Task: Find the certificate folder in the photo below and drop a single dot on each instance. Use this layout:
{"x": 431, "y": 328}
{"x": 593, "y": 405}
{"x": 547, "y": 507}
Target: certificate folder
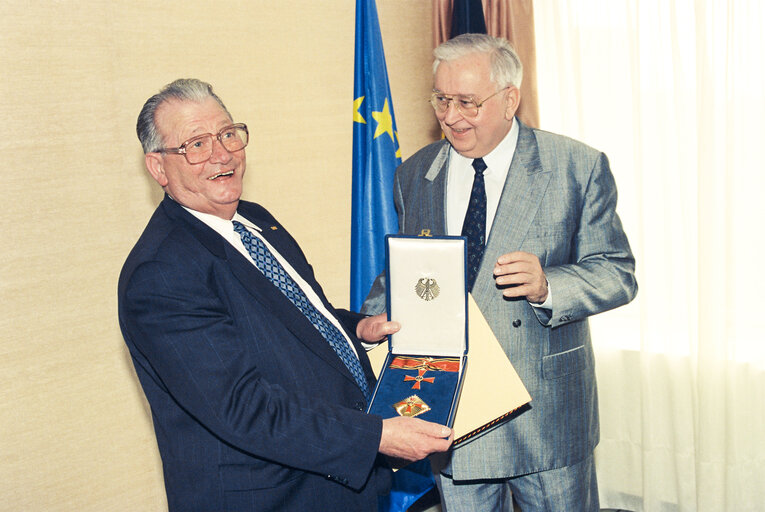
{"x": 492, "y": 389}
{"x": 423, "y": 369}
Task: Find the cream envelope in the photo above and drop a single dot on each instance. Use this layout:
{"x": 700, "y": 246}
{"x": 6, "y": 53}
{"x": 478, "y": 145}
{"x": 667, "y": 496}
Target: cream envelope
{"x": 491, "y": 388}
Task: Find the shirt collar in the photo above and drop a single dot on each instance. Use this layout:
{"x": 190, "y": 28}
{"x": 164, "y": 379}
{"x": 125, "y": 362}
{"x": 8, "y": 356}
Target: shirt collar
{"x": 499, "y": 158}
{"x": 221, "y": 225}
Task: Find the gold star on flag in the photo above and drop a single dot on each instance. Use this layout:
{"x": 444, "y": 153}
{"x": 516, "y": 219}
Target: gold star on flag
{"x": 384, "y": 122}
{"x": 357, "y": 117}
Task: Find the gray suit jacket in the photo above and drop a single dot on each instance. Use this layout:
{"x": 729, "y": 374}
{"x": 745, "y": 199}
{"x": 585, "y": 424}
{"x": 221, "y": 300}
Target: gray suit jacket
{"x": 558, "y": 203}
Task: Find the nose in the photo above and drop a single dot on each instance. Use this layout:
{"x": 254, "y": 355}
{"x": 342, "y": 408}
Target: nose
{"x": 219, "y": 154}
{"x": 452, "y": 115}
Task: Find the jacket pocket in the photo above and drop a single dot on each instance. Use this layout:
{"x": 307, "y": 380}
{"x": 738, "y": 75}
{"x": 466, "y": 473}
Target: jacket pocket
{"x": 565, "y": 363}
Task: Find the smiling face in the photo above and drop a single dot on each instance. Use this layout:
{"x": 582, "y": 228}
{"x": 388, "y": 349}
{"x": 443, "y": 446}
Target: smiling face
{"x": 214, "y": 186}
{"x": 475, "y": 137}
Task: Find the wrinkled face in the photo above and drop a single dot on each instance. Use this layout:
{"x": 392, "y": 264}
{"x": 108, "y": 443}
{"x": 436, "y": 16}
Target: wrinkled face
{"x": 214, "y": 186}
{"x": 474, "y": 137}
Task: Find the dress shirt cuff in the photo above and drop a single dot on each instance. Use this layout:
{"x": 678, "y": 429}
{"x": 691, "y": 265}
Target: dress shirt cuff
{"x": 547, "y": 304}
{"x": 373, "y": 345}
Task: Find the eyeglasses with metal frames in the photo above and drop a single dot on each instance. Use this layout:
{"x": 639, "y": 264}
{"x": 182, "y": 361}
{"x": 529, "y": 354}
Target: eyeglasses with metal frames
{"x": 465, "y": 105}
{"x": 199, "y": 149}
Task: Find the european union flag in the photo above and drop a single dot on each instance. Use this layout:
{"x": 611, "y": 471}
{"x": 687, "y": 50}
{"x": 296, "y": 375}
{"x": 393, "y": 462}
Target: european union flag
{"x": 376, "y": 155}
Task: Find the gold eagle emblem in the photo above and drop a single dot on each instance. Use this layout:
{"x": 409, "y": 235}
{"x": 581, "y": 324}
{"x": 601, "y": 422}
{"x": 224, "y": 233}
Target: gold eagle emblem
{"x": 427, "y": 288}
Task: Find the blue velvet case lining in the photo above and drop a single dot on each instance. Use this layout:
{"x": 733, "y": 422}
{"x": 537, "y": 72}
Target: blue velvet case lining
{"x": 440, "y": 395}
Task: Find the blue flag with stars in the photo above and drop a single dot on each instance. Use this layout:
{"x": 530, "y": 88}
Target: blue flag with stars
{"x": 376, "y": 155}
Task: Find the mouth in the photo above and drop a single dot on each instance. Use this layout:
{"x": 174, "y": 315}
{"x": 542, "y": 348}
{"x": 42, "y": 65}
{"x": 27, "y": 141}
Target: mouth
{"x": 222, "y": 174}
{"x": 460, "y": 131}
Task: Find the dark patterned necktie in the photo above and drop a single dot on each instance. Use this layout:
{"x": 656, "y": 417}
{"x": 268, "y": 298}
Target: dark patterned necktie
{"x": 273, "y": 270}
{"x": 474, "y": 226}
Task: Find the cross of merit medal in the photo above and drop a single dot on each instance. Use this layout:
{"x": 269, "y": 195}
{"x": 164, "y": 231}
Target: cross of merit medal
{"x": 419, "y": 379}
{"x": 411, "y": 406}
{"x": 424, "y": 365}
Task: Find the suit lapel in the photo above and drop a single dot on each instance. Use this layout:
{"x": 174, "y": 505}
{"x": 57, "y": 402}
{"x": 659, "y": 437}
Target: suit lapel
{"x": 273, "y": 299}
{"x": 433, "y": 203}
{"x": 522, "y": 194}
{"x": 262, "y": 290}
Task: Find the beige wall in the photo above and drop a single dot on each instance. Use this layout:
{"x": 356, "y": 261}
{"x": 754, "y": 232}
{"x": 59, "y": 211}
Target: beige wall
{"x": 75, "y": 433}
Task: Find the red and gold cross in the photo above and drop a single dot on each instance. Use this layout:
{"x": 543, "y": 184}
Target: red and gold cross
{"x": 419, "y": 378}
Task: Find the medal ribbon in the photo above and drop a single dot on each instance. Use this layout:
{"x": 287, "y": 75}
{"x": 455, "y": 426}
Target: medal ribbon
{"x": 441, "y": 364}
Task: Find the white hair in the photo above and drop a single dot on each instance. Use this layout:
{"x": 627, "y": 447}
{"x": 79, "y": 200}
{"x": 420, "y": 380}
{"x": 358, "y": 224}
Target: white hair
{"x": 506, "y": 67}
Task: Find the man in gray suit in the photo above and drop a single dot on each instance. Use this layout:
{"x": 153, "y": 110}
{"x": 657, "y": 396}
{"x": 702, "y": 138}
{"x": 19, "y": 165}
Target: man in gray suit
{"x": 546, "y": 250}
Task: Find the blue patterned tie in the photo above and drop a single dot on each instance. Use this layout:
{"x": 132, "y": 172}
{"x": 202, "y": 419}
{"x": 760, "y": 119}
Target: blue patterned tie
{"x": 273, "y": 270}
{"x": 474, "y": 226}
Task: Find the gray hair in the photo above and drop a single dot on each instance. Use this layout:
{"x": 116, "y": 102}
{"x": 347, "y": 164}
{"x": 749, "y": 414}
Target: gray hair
{"x": 183, "y": 89}
{"x": 506, "y": 67}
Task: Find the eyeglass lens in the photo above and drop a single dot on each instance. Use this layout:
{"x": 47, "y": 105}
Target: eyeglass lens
{"x": 465, "y": 105}
{"x": 199, "y": 149}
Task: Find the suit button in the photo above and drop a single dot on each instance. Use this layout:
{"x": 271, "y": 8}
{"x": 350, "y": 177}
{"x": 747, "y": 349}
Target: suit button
{"x": 565, "y": 318}
{"x": 517, "y": 322}
{"x": 359, "y": 406}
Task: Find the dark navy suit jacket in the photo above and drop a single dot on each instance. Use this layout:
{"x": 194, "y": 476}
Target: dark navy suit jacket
{"x": 252, "y": 408}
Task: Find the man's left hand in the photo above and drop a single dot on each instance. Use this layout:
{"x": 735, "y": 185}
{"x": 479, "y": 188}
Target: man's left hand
{"x": 521, "y": 275}
{"x": 374, "y": 329}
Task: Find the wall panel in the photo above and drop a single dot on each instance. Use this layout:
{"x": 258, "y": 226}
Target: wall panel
{"x": 76, "y": 431}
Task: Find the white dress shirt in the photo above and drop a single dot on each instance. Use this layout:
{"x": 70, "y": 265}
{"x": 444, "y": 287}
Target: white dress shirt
{"x": 459, "y": 182}
{"x": 459, "y": 185}
{"x": 225, "y": 228}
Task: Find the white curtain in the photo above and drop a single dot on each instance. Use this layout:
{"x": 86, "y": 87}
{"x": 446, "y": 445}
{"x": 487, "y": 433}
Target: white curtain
{"x": 673, "y": 92}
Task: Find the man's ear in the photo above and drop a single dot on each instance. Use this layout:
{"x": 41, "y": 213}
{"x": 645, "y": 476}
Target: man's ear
{"x": 513, "y": 101}
{"x": 154, "y": 164}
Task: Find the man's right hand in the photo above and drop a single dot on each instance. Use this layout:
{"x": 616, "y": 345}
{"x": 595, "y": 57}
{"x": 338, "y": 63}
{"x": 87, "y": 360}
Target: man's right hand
{"x": 413, "y": 439}
{"x": 374, "y": 329}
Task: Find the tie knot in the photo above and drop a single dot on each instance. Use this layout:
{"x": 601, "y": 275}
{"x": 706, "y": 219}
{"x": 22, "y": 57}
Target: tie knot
{"x": 239, "y": 227}
{"x": 479, "y": 165}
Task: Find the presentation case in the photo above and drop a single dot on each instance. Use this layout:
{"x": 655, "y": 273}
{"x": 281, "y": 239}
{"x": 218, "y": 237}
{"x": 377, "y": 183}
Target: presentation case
{"x": 426, "y": 289}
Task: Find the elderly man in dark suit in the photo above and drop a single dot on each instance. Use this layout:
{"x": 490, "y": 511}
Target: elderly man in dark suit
{"x": 546, "y": 250}
{"x": 257, "y": 384}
